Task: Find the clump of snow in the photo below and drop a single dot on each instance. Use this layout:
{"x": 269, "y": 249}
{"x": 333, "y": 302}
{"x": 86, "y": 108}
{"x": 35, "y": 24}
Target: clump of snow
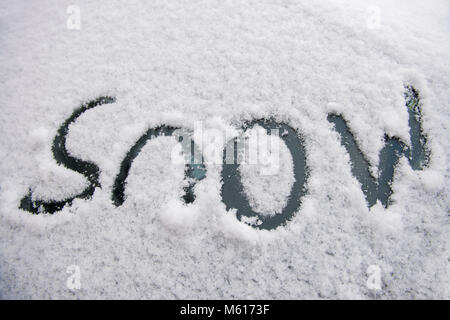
{"x": 385, "y": 222}
{"x": 178, "y": 215}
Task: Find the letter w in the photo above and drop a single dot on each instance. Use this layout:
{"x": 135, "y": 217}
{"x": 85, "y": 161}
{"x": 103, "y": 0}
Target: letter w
{"x": 418, "y": 155}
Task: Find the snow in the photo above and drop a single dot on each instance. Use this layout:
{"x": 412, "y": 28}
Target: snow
{"x": 221, "y": 63}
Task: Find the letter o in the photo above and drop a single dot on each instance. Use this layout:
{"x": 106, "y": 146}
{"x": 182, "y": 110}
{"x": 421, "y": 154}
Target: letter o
{"x": 233, "y": 191}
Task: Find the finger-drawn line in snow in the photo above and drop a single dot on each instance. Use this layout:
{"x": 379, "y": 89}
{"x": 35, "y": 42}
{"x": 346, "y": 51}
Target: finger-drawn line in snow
{"x": 62, "y": 157}
{"x": 418, "y": 155}
{"x": 193, "y": 171}
{"x": 232, "y": 191}
{"x": 233, "y": 194}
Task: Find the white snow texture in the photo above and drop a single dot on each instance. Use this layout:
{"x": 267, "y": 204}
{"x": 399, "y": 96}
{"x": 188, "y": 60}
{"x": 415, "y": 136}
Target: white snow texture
{"x": 221, "y": 63}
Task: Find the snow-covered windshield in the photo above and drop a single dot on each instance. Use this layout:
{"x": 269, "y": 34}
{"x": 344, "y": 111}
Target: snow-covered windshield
{"x": 127, "y": 132}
